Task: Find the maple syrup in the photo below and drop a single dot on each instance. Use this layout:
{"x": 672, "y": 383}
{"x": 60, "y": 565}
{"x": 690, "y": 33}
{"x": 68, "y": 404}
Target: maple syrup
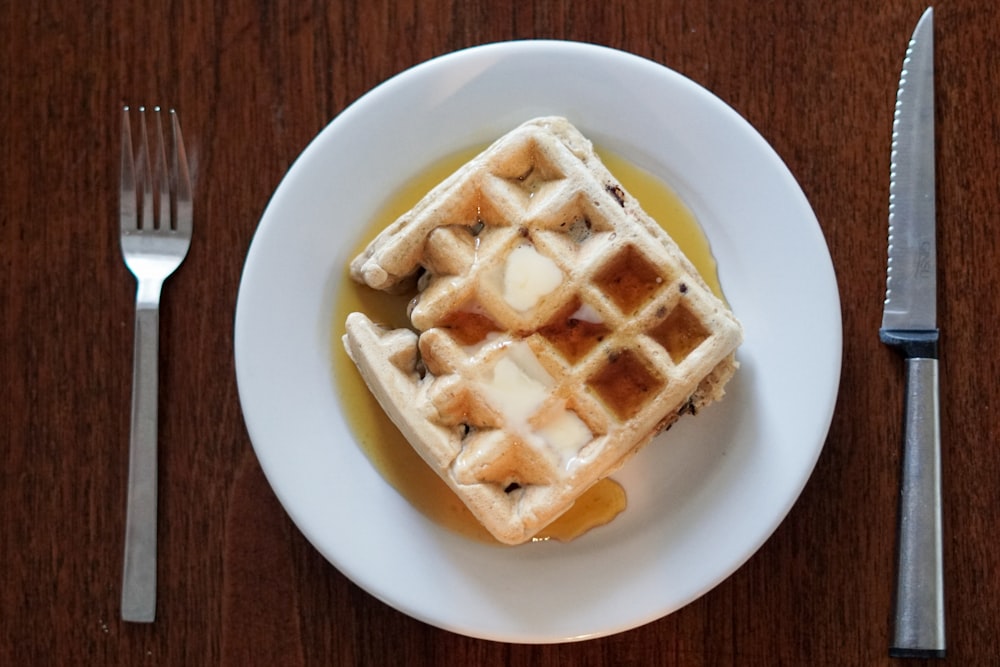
{"x": 573, "y": 336}
{"x": 383, "y": 444}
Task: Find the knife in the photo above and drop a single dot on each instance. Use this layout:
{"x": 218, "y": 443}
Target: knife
{"x": 909, "y": 324}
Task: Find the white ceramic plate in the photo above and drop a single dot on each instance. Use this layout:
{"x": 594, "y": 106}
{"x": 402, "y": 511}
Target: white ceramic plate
{"x": 700, "y": 505}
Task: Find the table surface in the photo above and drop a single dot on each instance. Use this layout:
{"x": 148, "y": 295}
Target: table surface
{"x": 254, "y": 82}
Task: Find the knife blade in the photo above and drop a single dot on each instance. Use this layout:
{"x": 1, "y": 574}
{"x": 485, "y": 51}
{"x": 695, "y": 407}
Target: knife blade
{"x": 909, "y": 324}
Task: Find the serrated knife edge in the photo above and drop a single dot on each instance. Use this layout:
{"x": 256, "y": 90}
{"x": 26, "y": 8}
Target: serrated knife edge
{"x": 910, "y": 298}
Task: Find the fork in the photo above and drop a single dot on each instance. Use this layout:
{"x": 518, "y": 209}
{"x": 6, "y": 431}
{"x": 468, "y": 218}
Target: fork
{"x": 156, "y": 216}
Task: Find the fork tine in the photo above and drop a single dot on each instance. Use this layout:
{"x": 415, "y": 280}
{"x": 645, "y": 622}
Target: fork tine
{"x": 127, "y": 210}
{"x": 182, "y": 178}
{"x": 144, "y": 176}
{"x": 160, "y": 177}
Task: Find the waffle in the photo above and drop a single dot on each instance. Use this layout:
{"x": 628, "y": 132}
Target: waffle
{"x": 556, "y": 328}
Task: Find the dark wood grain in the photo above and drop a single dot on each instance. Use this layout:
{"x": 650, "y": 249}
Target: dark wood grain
{"x": 254, "y": 82}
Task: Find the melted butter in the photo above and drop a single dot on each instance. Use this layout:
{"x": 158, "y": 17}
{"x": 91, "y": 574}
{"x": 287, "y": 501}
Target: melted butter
{"x": 382, "y": 442}
{"x": 566, "y": 434}
{"x": 529, "y": 276}
{"x": 517, "y": 385}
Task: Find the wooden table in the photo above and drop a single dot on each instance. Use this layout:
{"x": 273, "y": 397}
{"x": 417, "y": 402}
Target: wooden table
{"x": 254, "y": 82}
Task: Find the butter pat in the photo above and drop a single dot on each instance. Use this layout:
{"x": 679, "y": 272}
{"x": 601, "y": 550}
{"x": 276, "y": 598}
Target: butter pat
{"x": 566, "y": 434}
{"x": 515, "y": 393}
{"x": 517, "y": 387}
{"x": 528, "y": 276}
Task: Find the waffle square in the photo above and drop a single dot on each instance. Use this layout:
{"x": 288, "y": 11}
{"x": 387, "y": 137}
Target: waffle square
{"x": 556, "y": 328}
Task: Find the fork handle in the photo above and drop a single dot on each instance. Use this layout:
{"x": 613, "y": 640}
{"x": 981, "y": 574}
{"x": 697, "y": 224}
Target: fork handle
{"x": 138, "y": 602}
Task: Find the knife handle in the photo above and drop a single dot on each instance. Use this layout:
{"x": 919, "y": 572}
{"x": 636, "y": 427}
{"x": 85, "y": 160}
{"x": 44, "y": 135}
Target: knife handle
{"x": 919, "y": 631}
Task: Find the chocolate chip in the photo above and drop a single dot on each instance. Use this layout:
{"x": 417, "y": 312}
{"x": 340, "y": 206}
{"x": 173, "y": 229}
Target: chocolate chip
{"x": 616, "y": 191}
